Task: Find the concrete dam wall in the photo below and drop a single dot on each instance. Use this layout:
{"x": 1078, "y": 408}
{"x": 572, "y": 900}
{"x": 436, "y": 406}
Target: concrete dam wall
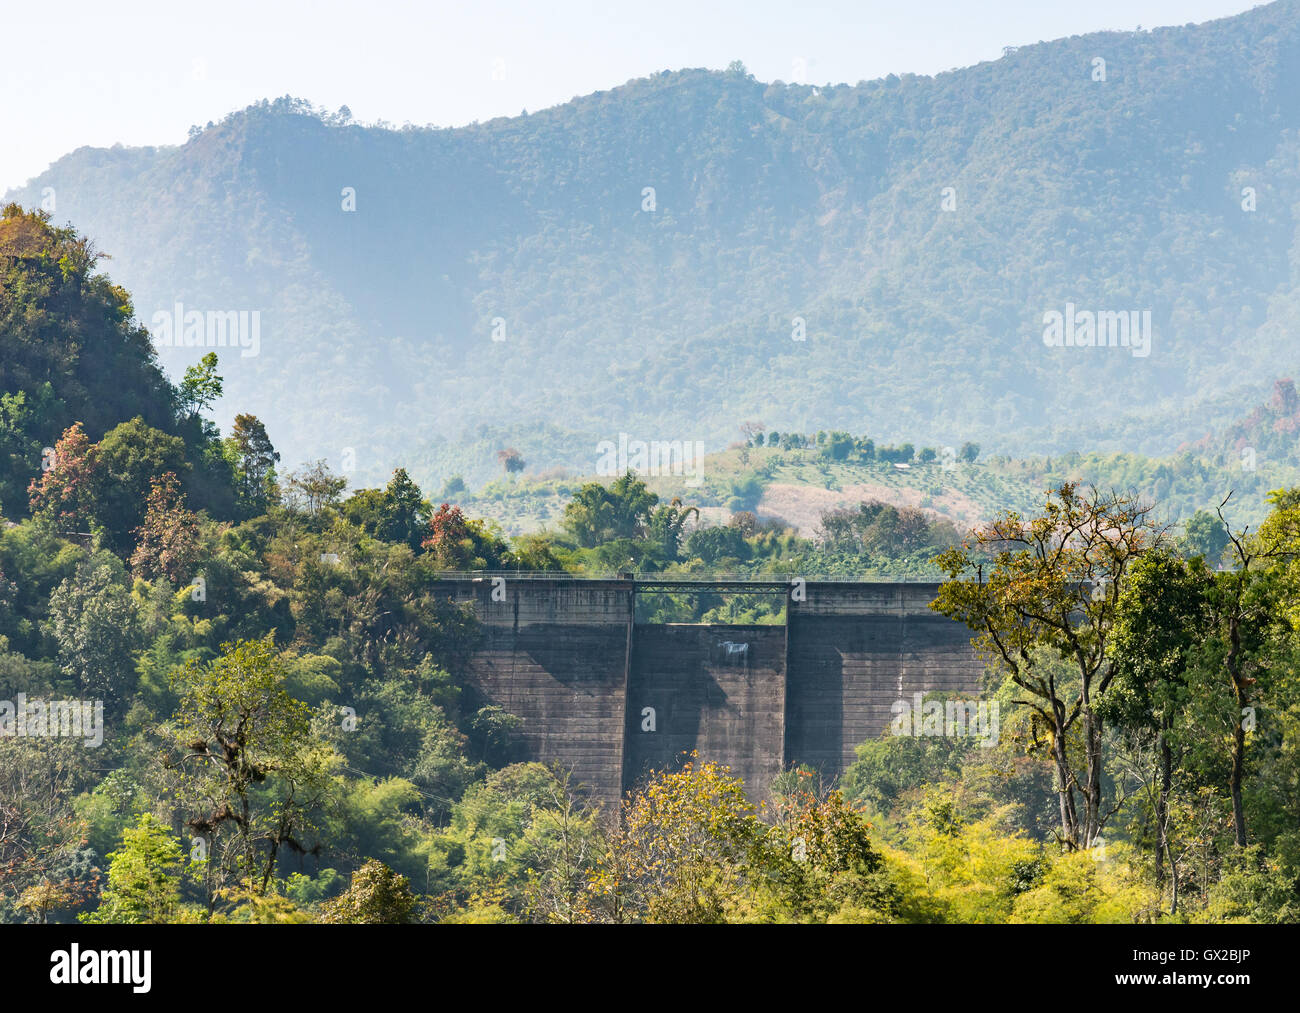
{"x": 612, "y": 698}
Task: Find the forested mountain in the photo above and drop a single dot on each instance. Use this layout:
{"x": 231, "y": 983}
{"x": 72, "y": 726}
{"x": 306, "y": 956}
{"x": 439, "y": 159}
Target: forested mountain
{"x": 640, "y": 259}
{"x": 232, "y": 693}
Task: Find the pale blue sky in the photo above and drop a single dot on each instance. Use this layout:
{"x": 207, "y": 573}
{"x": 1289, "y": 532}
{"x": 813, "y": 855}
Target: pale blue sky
{"x": 142, "y": 71}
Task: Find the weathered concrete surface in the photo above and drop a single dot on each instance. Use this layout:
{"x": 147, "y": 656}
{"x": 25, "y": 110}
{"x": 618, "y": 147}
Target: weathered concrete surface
{"x": 856, "y": 649}
{"x": 567, "y": 658}
{"x": 554, "y": 653}
{"x": 718, "y": 690}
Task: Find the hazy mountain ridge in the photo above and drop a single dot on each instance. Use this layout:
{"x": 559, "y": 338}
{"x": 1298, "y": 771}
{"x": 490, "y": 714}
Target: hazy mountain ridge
{"x": 771, "y": 202}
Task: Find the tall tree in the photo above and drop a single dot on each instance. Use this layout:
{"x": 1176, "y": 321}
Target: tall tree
{"x": 1053, "y": 590}
{"x": 599, "y": 514}
{"x": 254, "y": 460}
{"x": 93, "y": 621}
{"x": 315, "y": 490}
{"x": 1244, "y": 608}
{"x": 247, "y": 769}
{"x": 200, "y": 387}
{"x": 131, "y": 456}
{"x": 403, "y": 511}
{"x": 1164, "y": 612}
{"x": 144, "y": 877}
{"x": 167, "y": 543}
{"x": 68, "y": 490}
{"x": 666, "y": 527}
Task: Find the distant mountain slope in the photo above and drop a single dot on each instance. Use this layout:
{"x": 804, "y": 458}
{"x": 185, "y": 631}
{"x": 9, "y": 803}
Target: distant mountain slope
{"x": 795, "y": 487}
{"x": 675, "y": 314}
{"x": 1268, "y": 433}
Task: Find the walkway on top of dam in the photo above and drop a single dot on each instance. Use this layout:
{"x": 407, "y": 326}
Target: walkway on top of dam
{"x": 654, "y": 583}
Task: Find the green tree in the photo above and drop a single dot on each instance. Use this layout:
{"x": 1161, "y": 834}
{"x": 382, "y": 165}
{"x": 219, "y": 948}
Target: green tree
{"x": 245, "y": 765}
{"x": 144, "y": 878}
{"x": 24, "y": 419}
{"x": 680, "y": 853}
{"x": 823, "y": 864}
{"x": 598, "y": 514}
{"x": 399, "y": 513}
{"x": 376, "y": 896}
{"x": 1204, "y": 535}
{"x": 94, "y": 624}
{"x": 559, "y": 850}
{"x": 130, "y": 458}
{"x": 666, "y": 527}
{"x": 199, "y": 388}
{"x": 1245, "y": 606}
{"x": 1164, "y": 611}
{"x": 254, "y": 459}
{"x": 314, "y": 491}
{"x": 1050, "y": 592}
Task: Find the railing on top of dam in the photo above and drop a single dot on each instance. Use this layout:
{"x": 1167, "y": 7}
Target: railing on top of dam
{"x": 647, "y": 577}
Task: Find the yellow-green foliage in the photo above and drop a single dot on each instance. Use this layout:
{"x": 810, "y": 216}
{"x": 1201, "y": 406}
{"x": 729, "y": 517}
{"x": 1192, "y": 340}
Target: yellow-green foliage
{"x": 1082, "y": 887}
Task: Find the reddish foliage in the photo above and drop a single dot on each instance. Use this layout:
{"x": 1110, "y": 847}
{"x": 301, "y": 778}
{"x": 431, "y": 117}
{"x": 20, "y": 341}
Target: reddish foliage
{"x": 67, "y": 489}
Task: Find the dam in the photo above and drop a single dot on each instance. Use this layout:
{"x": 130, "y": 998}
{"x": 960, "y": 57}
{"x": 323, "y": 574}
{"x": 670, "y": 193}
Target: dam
{"x": 612, "y": 698}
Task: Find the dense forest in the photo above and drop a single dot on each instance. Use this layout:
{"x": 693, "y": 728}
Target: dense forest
{"x": 660, "y": 257}
{"x": 275, "y": 724}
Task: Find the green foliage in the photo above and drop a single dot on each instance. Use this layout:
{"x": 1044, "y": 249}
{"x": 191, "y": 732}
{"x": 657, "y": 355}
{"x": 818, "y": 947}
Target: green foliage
{"x": 877, "y": 528}
{"x": 398, "y": 513}
{"x": 888, "y": 768}
{"x": 598, "y": 515}
{"x": 253, "y": 459}
{"x": 285, "y": 676}
{"x": 144, "y": 878}
{"x": 92, "y": 619}
{"x": 376, "y": 896}
{"x": 129, "y": 459}
{"x": 1204, "y": 536}
{"x": 245, "y": 768}
{"x": 1043, "y": 609}
{"x": 24, "y": 422}
{"x": 679, "y": 854}
{"x": 200, "y": 387}
{"x": 69, "y": 346}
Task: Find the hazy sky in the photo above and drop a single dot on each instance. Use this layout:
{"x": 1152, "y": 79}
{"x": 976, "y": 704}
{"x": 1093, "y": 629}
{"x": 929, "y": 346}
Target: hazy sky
{"x": 137, "y": 72}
